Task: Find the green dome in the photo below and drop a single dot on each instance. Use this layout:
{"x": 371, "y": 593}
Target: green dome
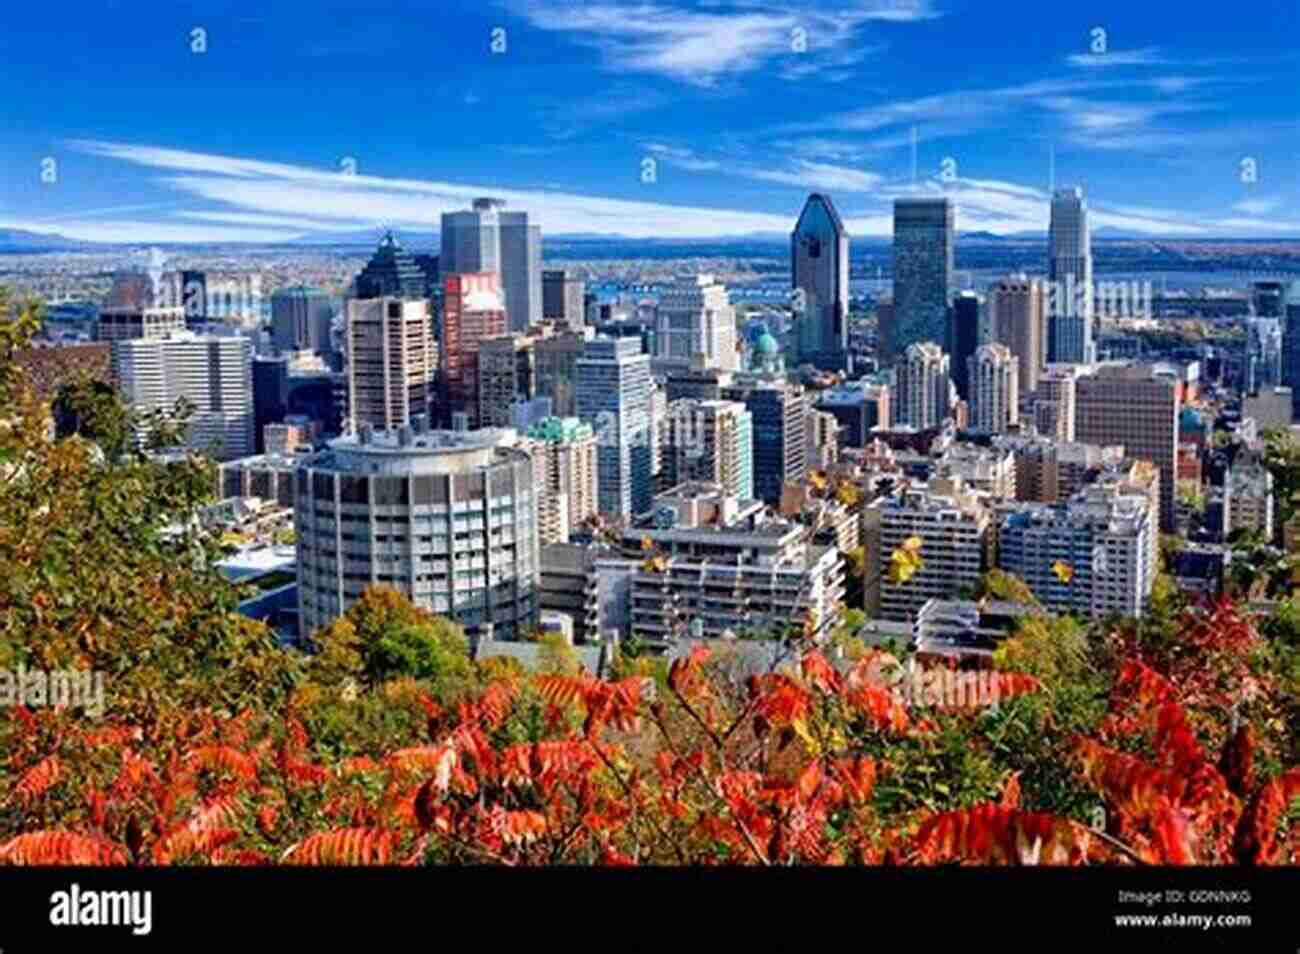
{"x": 766, "y": 344}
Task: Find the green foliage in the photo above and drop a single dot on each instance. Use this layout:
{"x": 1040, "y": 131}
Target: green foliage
{"x": 105, "y": 568}
{"x": 557, "y": 657}
{"x": 1000, "y": 585}
{"x": 384, "y": 636}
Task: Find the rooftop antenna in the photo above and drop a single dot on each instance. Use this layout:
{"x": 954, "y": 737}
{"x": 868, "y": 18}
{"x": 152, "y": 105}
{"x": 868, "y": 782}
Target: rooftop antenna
{"x": 1051, "y": 168}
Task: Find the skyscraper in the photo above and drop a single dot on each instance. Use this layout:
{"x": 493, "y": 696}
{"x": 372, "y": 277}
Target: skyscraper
{"x": 963, "y": 338}
{"x": 556, "y": 358}
{"x": 391, "y": 272}
{"x": 1291, "y": 346}
{"x": 695, "y": 326}
{"x": 922, "y": 386}
{"x": 1016, "y": 308}
{"x": 488, "y": 239}
{"x": 563, "y": 295}
{"x": 924, "y": 235}
{"x": 391, "y": 361}
{"x": 994, "y": 377}
{"x": 1069, "y": 268}
{"x": 779, "y": 413}
{"x": 471, "y": 313}
{"x": 212, "y": 372}
{"x": 1133, "y": 406}
{"x": 506, "y": 374}
{"x": 301, "y": 319}
{"x": 612, "y": 391}
{"x": 819, "y": 258}
{"x": 709, "y": 441}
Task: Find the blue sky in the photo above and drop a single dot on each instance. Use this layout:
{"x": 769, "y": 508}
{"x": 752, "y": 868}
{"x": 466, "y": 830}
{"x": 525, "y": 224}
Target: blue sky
{"x": 744, "y": 107}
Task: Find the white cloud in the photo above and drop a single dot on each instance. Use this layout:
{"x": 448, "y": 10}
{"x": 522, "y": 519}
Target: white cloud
{"x": 1257, "y": 206}
{"x": 698, "y": 46}
{"x": 818, "y": 175}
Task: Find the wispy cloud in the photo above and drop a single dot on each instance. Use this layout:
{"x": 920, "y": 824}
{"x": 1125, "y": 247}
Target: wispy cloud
{"x": 1147, "y": 56}
{"x": 819, "y": 175}
{"x": 279, "y": 201}
{"x": 699, "y": 46}
{"x": 1257, "y": 206}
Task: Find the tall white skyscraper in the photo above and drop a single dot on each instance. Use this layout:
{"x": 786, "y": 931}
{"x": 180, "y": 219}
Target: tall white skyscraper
{"x": 212, "y": 372}
{"x": 696, "y": 326}
{"x": 994, "y": 377}
{"x": 486, "y": 238}
{"x": 1069, "y": 268}
{"x": 612, "y": 391}
{"x": 922, "y": 386}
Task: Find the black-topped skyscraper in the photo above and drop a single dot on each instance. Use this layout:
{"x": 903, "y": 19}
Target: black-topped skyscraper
{"x": 1069, "y": 268}
{"x": 392, "y": 272}
{"x": 485, "y": 238}
{"x": 924, "y": 234}
{"x": 819, "y": 258}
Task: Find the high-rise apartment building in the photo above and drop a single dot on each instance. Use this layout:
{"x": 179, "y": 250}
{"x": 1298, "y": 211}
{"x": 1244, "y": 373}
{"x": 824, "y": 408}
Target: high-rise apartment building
{"x": 819, "y": 259}
{"x": 472, "y": 313}
{"x": 563, "y": 298}
{"x": 921, "y": 386}
{"x": 994, "y": 383}
{"x": 486, "y": 238}
{"x": 448, "y": 519}
{"x": 1017, "y": 305}
{"x": 1134, "y": 406}
{"x": 956, "y": 545}
{"x": 1069, "y": 268}
{"x": 963, "y": 338}
{"x": 695, "y": 326}
{"x": 710, "y": 442}
{"x": 302, "y": 319}
{"x": 779, "y": 412}
{"x": 924, "y": 238}
{"x": 212, "y": 372}
{"x": 1102, "y": 537}
{"x": 612, "y": 388}
{"x": 390, "y": 360}
{"x": 565, "y": 475}
{"x": 731, "y": 569}
{"x": 1054, "y": 404}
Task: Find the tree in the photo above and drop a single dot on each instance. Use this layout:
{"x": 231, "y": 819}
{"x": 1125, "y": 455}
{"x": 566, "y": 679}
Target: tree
{"x": 383, "y": 636}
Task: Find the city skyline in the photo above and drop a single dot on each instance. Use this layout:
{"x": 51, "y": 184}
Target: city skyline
{"x": 669, "y": 119}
